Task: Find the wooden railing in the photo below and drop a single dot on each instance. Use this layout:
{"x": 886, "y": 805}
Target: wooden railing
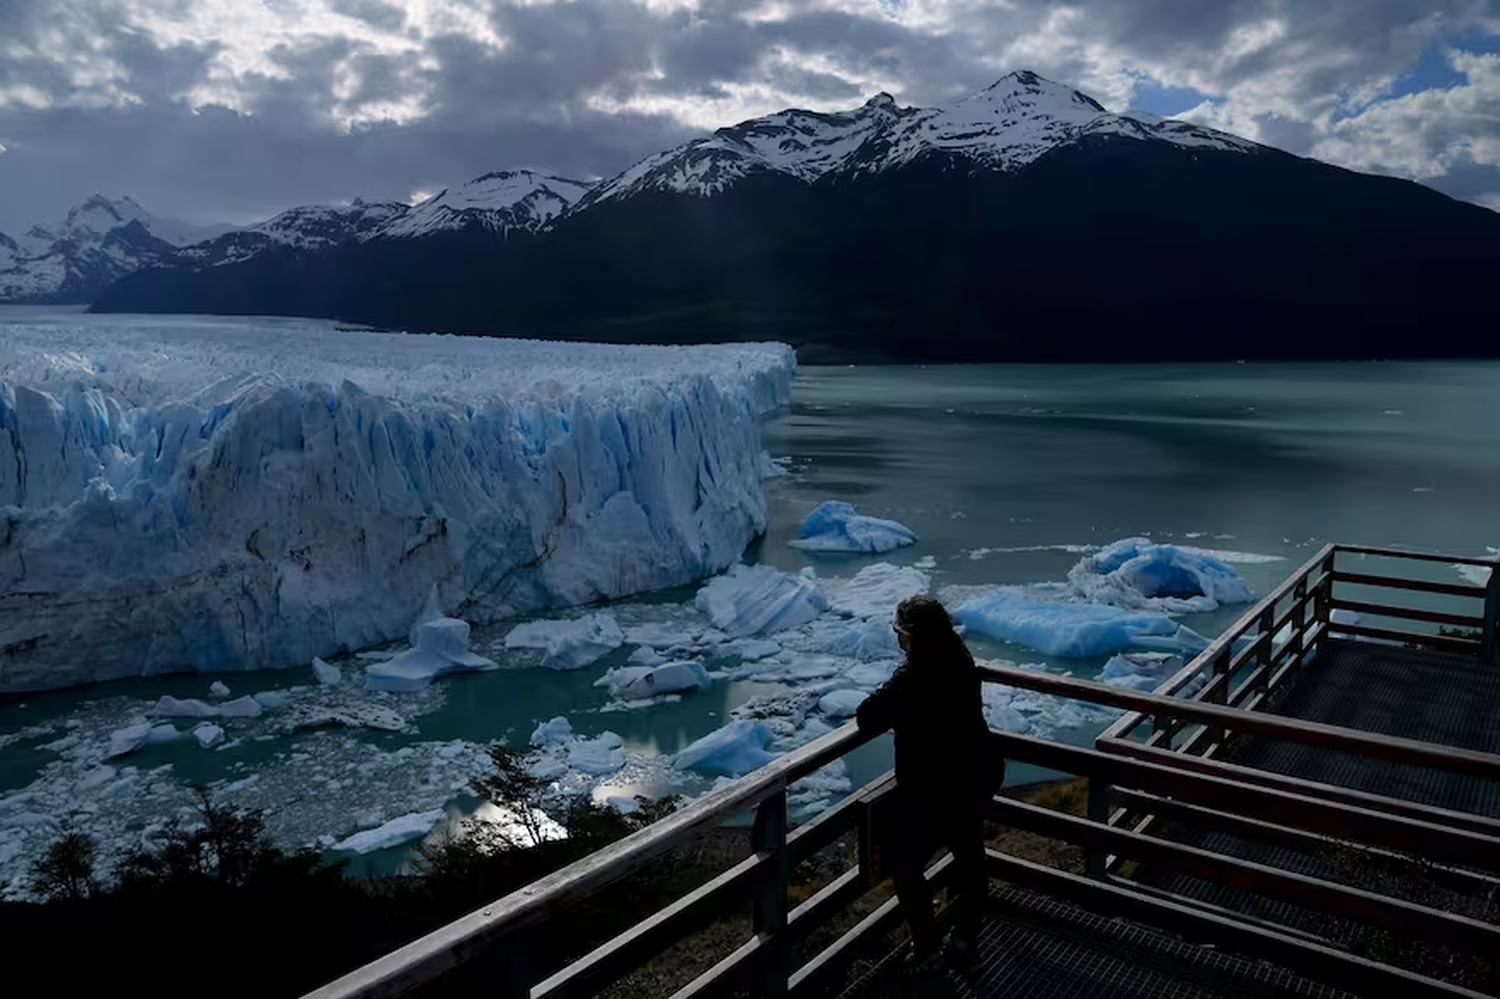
{"x": 1264, "y": 804}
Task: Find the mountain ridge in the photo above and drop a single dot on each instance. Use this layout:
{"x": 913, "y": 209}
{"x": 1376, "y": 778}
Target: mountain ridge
{"x": 1022, "y": 223}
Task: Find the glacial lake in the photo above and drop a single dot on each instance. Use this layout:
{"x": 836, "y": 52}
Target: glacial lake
{"x": 1007, "y": 474}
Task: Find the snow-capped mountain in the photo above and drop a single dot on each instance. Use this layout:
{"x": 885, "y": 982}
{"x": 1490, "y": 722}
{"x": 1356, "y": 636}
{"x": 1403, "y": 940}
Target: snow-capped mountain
{"x": 502, "y": 202}
{"x": 99, "y": 241}
{"x": 1024, "y": 223}
{"x": 1006, "y": 126}
{"x": 306, "y": 227}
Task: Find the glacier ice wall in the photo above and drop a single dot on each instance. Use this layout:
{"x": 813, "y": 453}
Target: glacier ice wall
{"x": 221, "y": 495}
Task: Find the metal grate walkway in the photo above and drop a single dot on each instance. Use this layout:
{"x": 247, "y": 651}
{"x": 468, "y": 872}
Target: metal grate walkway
{"x": 1434, "y": 697}
{"x": 1035, "y": 946}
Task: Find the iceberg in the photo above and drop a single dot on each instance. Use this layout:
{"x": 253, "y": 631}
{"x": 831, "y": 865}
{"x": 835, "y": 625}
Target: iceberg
{"x": 208, "y": 734}
{"x": 228, "y": 496}
{"x": 1057, "y": 628}
{"x": 554, "y": 732}
{"x": 439, "y": 645}
{"x": 875, "y": 590}
{"x": 836, "y": 527}
{"x": 598, "y": 756}
{"x": 842, "y": 703}
{"x": 735, "y": 749}
{"x": 636, "y": 683}
{"x": 759, "y": 600}
{"x": 569, "y": 645}
{"x": 402, "y": 829}
{"x": 127, "y": 740}
{"x": 325, "y": 674}
{"x": 218, "y": 689}
{"x": 1135, "y": 574}
{"x": 171, "y": 707}
{"x": 1145, "y": 671}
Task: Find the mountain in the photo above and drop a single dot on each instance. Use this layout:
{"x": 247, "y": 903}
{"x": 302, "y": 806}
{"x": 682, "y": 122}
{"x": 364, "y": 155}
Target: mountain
{"x": 1023, "y": 223}
{"x": 503, "y": 203}
{"x": 1004, "y": 127}
{"x": 307, "y": 227}
{"x": 101, "y": 240}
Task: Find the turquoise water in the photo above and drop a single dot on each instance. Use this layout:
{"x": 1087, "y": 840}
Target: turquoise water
{"x": 999, "y": 471}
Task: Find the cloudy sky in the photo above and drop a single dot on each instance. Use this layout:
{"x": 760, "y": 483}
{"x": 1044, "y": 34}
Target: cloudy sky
{"x": 230, "y": 110}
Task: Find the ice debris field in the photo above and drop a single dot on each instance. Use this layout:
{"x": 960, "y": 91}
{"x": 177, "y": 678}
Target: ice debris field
{"x": 226, "y": 496}
{"x": 347, "y": 767}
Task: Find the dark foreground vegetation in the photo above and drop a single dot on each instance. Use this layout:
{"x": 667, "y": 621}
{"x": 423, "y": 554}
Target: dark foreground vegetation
{"x": 213, "y": 905}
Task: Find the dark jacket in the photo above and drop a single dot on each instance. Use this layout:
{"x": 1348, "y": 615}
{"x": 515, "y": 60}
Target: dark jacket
{"x": 943, "y": 750}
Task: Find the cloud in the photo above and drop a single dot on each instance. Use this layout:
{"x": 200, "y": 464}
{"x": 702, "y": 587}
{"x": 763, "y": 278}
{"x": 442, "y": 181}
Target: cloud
{"x": 214, "y": 109}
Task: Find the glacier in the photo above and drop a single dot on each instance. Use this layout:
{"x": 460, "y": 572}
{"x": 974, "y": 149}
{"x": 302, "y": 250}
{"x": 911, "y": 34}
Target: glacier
{"x": 219, "y": 495}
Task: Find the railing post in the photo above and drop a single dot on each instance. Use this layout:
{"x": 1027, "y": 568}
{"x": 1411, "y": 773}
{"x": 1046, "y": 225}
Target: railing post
{"x": 1096, "y": 859}
{"x": 1489, "y": 645}
{"x": 1299, "y": 624}
{"x": 770, "y": 906}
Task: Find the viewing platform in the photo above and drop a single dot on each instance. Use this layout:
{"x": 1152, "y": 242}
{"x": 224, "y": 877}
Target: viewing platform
{"x": 1320, "y": 816}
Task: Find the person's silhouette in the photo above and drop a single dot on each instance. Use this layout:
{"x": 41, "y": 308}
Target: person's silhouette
{"x": 945, "y": 769}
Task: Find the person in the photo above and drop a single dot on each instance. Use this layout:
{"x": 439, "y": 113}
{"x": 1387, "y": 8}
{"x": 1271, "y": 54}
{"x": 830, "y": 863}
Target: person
{"x": 933, "y": 703}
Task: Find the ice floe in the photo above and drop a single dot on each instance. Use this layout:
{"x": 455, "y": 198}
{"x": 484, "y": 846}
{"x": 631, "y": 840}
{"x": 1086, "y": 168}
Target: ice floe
{"x": 325, "y": 674}
{"x": 394, "y": 832}
{"x": 634, "y": 683}
{"x": 875, "y": 590}
{"x": 1135, "y": 574}
{"x": 760, "y": 600}
{"x": 835, "y": 526}
{"x": 735, "y": 749}
{"x": 569, "y": 644}
{"x": 1060, "y": 628}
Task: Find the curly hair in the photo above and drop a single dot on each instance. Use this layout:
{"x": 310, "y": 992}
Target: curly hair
{"x": 929, "y": 629}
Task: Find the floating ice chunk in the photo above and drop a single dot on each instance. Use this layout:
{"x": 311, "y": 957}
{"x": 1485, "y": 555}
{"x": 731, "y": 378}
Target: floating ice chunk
{"x": 735, "y": 749}
{"x": 833, "y": 526}
{"x": 172, "y": 707}
{"x": 624, "y": 804}
{"x": 842, "y": 703}
{"x": 326, "y": 674}
{"x": 1142, "y": 670}
{"x": 350, "y": 715}
{"x": 876, "y": 590}
{"x": 633, "y": 683}
{"x": 749, "y": 649}
{"x": 1061, "y": 629}
{"x": 662, "y": 636}
{"x": 872, "y": 639}
{"x": 241, "y": 707}
{"x": 569, "y": 645}
{"x": 402, "y": 829}
{"x": 208, "y": 734}
{"x": 271, "y": 700}
{"x": 547, "y": 768}
{"x": 162, "y": 733}
{"x": 645, "y": 656}
{"x": 759, "y": 600}
{"x": 601, "y": 755}
{"x": 128, "y": 739}
{"x": 218, "y": 689}
{"x": 871, "y": 675}
{"x": 555, "y": 732}
{"x": 1135, "y": 574}
{"x": 440, "y": 645}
